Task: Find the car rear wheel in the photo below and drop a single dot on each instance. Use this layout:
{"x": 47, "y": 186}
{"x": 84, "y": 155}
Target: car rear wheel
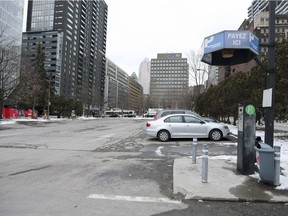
{"x": 215, "y": 135}
{"x": 163, "y": 135}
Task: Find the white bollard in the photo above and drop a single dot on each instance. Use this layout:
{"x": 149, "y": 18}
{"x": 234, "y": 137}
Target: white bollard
{"x": 205, "y": 165}
{"x": 277, "y": 150}
{"x": 194, "y": 150}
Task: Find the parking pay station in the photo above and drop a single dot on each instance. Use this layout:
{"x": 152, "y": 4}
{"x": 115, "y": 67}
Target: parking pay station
{"x": 231, "y": 48}
{"x": 246, "y": 139}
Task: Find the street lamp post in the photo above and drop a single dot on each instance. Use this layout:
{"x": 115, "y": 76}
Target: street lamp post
{"x": 269, "y": 111}
{"x": 49, "y": 96}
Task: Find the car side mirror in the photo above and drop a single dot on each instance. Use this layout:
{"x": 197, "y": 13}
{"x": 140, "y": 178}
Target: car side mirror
{"x": 202, "y": 122}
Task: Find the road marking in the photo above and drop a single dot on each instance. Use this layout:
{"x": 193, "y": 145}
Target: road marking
{"x": 3, "y": 135}
{"x": 158, "y": 151}
{"x": 134, "y": 198}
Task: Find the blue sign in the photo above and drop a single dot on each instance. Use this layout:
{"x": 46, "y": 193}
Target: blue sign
{"x": 231, "y": 40}
{"x": 243, "y": 43}
{"x": 214, "y": 43}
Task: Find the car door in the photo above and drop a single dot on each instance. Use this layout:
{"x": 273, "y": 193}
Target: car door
{"x": 176, "y": 126}
{"x": 195, "y": 127}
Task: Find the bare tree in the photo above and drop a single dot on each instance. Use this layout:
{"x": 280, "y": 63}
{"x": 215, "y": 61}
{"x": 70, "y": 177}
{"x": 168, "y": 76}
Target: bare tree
{"x": 198, "y": 70}
{"x": 9, "y": 66}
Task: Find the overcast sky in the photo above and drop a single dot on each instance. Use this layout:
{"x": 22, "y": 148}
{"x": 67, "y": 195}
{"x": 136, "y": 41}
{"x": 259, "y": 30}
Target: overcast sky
{"x": 139, "y": 29}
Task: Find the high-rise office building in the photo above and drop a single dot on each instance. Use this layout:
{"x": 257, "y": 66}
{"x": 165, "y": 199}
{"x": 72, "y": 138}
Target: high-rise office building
{"x": 258, "y": 6}
{"x": 169, "y": 80}
{"x": 144, "y": 75}
{"x": 212, "y": 75}
{"x": 52, "y": 43}
{"x": 11, "y": 24}
{"x": 78, "y": 53}
{"x": 135, "y": 94}
{"x": 116, "y": 87}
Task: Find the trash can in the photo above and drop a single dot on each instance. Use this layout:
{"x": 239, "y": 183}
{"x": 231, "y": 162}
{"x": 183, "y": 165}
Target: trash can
{"x": 265, "y": 161}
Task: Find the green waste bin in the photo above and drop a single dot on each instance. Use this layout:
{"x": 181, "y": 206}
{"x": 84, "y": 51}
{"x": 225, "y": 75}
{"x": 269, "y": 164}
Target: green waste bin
{"x": 265, "y": 161}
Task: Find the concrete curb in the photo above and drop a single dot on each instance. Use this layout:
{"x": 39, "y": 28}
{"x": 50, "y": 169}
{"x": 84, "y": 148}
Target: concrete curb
{"x": 224, "y": 183}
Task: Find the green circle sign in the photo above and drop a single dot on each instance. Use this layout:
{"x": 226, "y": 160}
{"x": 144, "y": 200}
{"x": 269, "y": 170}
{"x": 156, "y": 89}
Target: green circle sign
{"x": 250, "y": 109}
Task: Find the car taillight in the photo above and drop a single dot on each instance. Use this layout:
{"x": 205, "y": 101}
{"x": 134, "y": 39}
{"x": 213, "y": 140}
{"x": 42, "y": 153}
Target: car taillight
{"x": 148, "y": 124}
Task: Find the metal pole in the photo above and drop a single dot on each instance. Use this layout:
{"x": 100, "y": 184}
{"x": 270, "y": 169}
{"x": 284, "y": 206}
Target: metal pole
{"x": 277, "y": 150}
{"x": 49, "y": 98}
{"x": 269, "y": 111}
{"x": 205, "y": 165}
{"x": 194, "y": 150}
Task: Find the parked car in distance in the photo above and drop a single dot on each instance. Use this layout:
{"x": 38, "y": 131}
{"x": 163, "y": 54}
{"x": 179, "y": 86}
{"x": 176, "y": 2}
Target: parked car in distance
{"x": 185, "y": 126}
{"x": 151, "y": 112}
{"x": 166, "y": 112}
{"x": 181, "y": 111}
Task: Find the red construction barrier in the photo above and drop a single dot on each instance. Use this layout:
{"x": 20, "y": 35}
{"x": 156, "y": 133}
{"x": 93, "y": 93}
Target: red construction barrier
{"x": 10, "y": 113}
{"x": 28, "y": 113}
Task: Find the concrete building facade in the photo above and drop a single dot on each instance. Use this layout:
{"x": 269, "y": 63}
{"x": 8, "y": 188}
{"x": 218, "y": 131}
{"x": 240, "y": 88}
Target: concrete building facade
{"x": 116, "y": 87}
{"x": 169, "y": 80}
{"x": 122, "y": 91}
{"x": 135, "y": 94}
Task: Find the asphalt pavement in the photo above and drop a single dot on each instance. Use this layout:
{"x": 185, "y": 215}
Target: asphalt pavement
{"x": 223, "y": 182}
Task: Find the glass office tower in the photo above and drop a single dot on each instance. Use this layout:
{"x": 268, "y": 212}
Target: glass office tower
{"x": 11, "y": 22}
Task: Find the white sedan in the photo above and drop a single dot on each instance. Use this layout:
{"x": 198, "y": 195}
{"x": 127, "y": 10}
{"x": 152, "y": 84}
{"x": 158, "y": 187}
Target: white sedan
{"x": 185, "y": 126}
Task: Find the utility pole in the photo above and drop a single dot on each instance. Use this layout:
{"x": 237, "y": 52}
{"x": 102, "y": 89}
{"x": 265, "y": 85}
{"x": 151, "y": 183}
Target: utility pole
{"x": 269, "y": 111}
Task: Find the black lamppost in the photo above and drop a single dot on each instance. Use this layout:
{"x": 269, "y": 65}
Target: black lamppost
{"x": 269, "y": 111}
{"x": 48, "y": 80}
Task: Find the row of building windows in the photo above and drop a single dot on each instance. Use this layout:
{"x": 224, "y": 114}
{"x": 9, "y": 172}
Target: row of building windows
{"x": 165, "y": 74}
{"x": 278, "y": 21}
{"x": 165, "y": 78}
{"x": 153, "y": 61}
{"x": 167, "y": 65}
{"x": 278, "y": 38}
{"x": 161, "y": 84}
{"x": 277, "y": 30}
{"x": 42, "y": 5}
{"x": 167, "y": 87}
{"x": 168, "y": 71}
{"x": 171, "y": 94}
{"x": 42, "y": 25}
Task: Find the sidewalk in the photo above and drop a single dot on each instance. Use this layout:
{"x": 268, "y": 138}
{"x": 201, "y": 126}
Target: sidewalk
{"x": 277, "y": 126}
{"x": 224, "y": 183}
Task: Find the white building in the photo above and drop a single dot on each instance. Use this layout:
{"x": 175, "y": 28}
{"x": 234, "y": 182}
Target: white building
{"x": 144, "y": 75}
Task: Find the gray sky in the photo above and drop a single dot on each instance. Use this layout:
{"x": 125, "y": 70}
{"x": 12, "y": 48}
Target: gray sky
{"x": 139, "y": 29}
